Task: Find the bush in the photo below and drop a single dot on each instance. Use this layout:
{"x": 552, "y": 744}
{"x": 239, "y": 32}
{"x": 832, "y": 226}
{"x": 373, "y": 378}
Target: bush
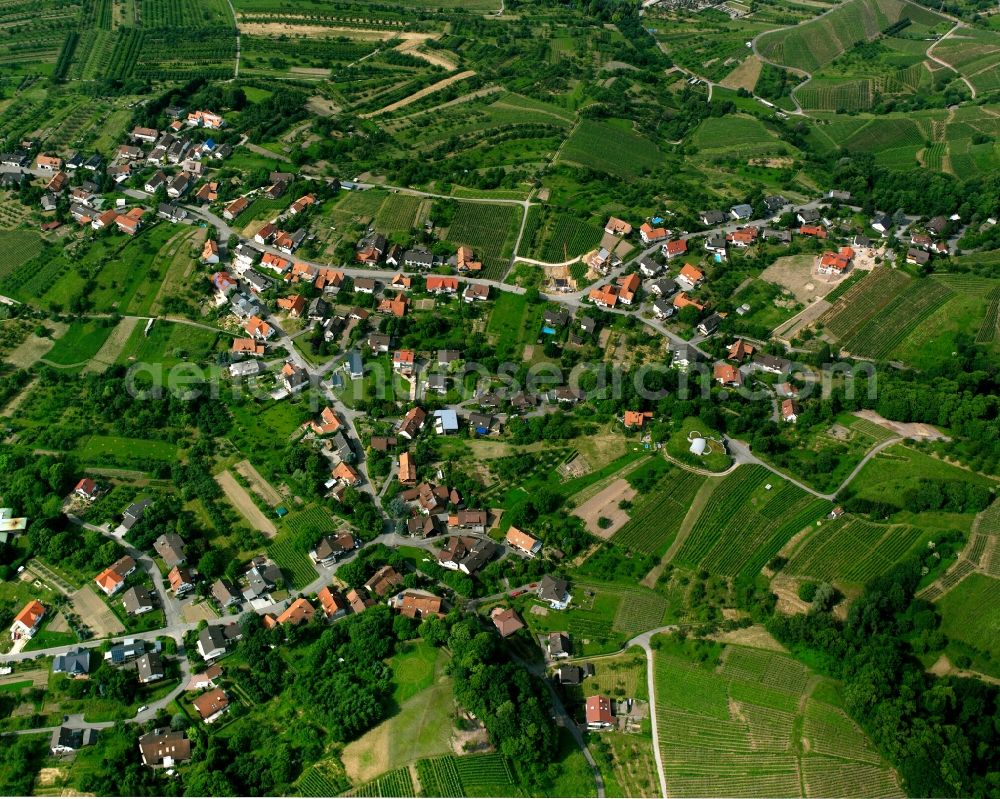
{"x": 807, "y": 591}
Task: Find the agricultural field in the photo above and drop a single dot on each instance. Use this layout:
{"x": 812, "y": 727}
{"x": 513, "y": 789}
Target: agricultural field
{"x": 18, "y": 246}
{"x": 753, "y": 513}
{"x": 490, "y": 230}
{"x": 566, "y": 237}
{"x": 396, "y": 783}
{"x": 742, "y": 723}
{"x": 970, "y": 617}
{"x": 745, "y": 135}
{"x": 397, "y": 214}
{"x": 975, "y": 54}
{"x": 611, "y": 148}
{"x": 813, "y": 44}
{"x": 470, "y": 775}
{"x": 890, "y": 326}
{"x": 512, "y": 324}
{"x": 655, "y": 520}
{"x": 852, "y": 550}
{"x": 973, "y": 307}
{"x": 294, "y": 563}
{"x": 863, "y": 301}
{"x": 167, "y": 344}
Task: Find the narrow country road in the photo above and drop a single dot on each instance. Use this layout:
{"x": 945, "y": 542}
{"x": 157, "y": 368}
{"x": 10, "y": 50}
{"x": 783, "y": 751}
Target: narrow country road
{"x": 643, "y": 641}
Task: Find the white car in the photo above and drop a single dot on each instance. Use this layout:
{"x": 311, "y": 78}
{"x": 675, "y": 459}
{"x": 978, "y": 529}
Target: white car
{"x": 142, "y": 709}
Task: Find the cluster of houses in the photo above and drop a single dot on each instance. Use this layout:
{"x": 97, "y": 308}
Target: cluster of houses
{"x": 743, "y": 359}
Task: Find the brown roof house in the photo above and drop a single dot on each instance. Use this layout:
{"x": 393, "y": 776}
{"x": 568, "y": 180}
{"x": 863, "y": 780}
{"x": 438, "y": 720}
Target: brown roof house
{"x": 506, "y": 621}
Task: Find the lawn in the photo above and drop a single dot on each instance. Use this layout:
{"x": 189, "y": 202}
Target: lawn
{"x": 80, "y": 343}
{"x": 741, "y": 133}
{"x": 894, "y": 471}
{"x": 970, "y": 617}
{"x": 512, "y": 324}
{"x": 715, "y": 458}
{"x": 414, "y": 669}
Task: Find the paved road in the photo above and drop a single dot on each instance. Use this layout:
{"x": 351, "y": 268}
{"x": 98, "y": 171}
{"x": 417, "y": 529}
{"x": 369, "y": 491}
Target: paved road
{"x": 741, "y": 454}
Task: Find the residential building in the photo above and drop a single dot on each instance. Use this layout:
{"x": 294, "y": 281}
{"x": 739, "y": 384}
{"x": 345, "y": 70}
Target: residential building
{"x": 170, "y": 547}
{"x": 164, "y": 747}
{"x": 27, "y": 622}
{"x": 75, "y": 663}
{"x": 150, "y": 668}
{"x": 137, "y": 600}
{"x": 554, "y": 590}
{"x": 598, "y": 714}
{"x": 506, "y": 621}
{"x": 66, "y": 740}
{"x": 558, "y": 646}
{"x": 211, "y": 705}
{"x": 521, "y": 541}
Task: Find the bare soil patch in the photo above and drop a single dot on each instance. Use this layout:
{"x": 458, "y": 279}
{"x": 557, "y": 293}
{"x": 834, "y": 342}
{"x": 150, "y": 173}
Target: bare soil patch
{"x": 797, "y": 273}
{"x": 434, "y": 87}
{"x": 786, "y": 588}
{"x": 411, "y": 46}
{"x": 244, "y": 503}
{"x": 745, "y": 75}
{"x": 196, "y": 611}
{"x": 904, "y": 429}
{"x": 38, "y": 677}
{"x": 322, "y": 107}
{"x": 258, "y": 484}
{"x": 605, "y": 504}
{"x": 95, "y": 614}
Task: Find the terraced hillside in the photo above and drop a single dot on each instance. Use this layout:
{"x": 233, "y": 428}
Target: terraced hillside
{"x": 747, "y": 723}
{"x": 811, "y": 45}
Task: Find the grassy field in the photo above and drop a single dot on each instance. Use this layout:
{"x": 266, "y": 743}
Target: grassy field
{"x": 898, "y": 469}
{"x": 970, "y": 617}
{"x": 611, "y": 148}
{"x": 753, "y": 513}
{"x": 742, "y": 723}
{"x": 603, "y": 616}
{"x": 80, "y": 343}
{"x": 168, "y": 343}
{"x": 428, "y": 706}
{"x": 655, "y": 519}
{"x": 102, "y": 448}
{"x": 513, "y": 324}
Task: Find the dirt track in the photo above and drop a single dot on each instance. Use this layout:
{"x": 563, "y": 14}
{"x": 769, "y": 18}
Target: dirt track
{"x": 244, "y": 503}
{"x": 258, "y": 484}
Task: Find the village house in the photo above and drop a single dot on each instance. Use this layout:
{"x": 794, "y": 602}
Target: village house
{"x": 740, "y": 350}
{"x": 815, "y": 231}
{"x": 417, "y": 604}
{"x": 27, "y": 622}
{"x": 664, "y": 287}
{"x": 652, "y": 235}
{"x": 726, "y": 374}
{"x": 628, "y": 286}
{"x": 506, "y": 621}
{"x": 713, "y": 217}
{"x": 370, "y": 249}
{"x": 66, "y": 740}
{"x": 648, "y": 267}
{"x": 465, "y": 260}
{"x": 226, "y": 593}
{"x": 149, "y": 668}
{"x": 772, "y": 363}
{"x": 835, "y": 263}
{"x": 682, "y": 300}
{"x": 476, "y": 293}
{"x": 418, "y": 259}
{"x": 112, "y": 579}
{"x": 466, "y": 554}
{"x": 598, "y": 714}
{"x": 663, "y": 309}
{"x": 412, "y": 422}
{"x": 137, "y": 600}
{"x": 74, "y": 663}
{"x": 789, "y": 410}
{"x": 257, "y": 328}
{"x": 741, "y": 212}
{"x": 332, "y": 603}
{"x": 604, "y": 296}
{"x": 164, "y": 747}
{"x": 170, "y": 547}
{"x": 442, "y": 284}
{"x": 346, "y": 474}
{"x": 554, "y": 590}
{"x": 636, "y": 419}
{"x": 557, "y": 646}
{"x": 690, "y": 277}
{"x": 744, "y": 237}
{"x": 674, "y": 249}
{"x": 332, "y": 547}
{"x": 710, "y": 324}
{"x": 211, "y": 705}
{"x": 917, "y": 257}
{"x": 383, "y": 581}
{"x": 617, "y": 227}
{"x": 299, "y": 612}
{"x": 235, "y": 208}
{"x": 182, "y": 580}
{"x": 87, "y": 489}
